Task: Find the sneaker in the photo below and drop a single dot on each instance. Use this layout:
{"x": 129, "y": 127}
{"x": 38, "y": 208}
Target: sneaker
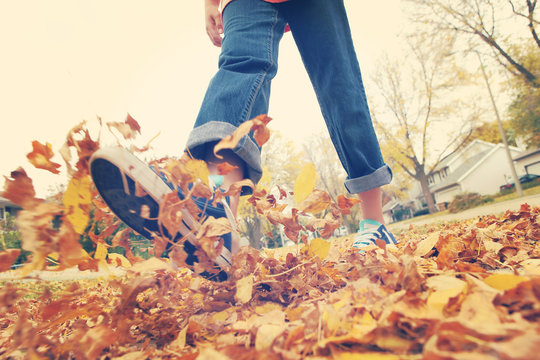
{"x": 115, "y": 171}
{"x": 370, "y": 231}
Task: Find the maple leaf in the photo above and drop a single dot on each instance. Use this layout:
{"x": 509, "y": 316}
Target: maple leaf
{"x": 41, "y": 156}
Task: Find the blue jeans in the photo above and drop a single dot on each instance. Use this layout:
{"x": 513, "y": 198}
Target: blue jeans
{"x": 248, "y": 62}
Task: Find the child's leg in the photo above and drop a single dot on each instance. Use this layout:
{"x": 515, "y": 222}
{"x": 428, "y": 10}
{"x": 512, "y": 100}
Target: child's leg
{"x": 240, "y": 89}
{"x": 322, "y": 34}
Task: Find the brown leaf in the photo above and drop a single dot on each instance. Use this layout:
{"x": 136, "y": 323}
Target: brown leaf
{"x": 316, "y": 202}
{"x": 20, "y": 190}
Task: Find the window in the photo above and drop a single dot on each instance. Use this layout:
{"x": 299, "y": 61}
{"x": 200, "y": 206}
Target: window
{"x": 444, "y": 172}
{"x": 2, "y": 214}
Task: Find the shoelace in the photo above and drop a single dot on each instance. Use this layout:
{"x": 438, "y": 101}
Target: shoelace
{"x": 367, "y": 237}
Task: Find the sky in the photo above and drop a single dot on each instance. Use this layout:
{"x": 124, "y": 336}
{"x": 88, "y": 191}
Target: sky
{"x": 64, "y": 61}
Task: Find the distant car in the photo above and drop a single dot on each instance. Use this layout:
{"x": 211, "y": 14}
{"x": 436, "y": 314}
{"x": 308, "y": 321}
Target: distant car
{"x": 522, "y": 179}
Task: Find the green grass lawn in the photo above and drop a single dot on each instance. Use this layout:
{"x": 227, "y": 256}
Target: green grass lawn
{"x": 497, "y": 198}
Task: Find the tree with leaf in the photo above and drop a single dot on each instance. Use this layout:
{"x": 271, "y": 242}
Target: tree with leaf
{"x": 497, "y": 24}
{"x": 489, "y": 131}
{"x": 424, "y": 117}
{"x": 524, "y": 111}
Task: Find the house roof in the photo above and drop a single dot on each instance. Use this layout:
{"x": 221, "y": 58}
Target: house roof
{"x": 454, "y": 176}
{"x": 526, "y": 154}
{"x": 449, "y": 158}
{"x": 6, "y": 202}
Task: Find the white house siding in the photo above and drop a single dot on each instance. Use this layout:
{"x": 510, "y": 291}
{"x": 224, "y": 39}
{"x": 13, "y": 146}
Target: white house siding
{"x": 534, "y": 168}
{"x": 529, "y": 164}
{"x": 447, "y": 195}
{"x": 486, "y": 178}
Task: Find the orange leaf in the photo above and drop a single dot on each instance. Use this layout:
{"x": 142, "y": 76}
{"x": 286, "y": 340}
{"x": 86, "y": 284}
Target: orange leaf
{"x": 345, "y": 204}
{"x": 225, "y": 168}
{"x": 261, "y": 134}
{"x": 41, "y": 156}
{"x": 7, "y": 258}
{"x": 257, "y": 124}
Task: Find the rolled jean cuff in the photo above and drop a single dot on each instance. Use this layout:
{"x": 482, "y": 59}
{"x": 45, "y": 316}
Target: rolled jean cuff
{"x": 246, "y": 149}
{"x": 381, "y": 176}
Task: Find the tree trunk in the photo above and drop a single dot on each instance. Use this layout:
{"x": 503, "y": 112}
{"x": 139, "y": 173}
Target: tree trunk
{"x": 422, "y": 178}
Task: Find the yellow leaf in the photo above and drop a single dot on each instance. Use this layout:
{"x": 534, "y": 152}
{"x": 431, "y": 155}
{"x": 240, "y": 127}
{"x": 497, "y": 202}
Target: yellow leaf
{"x": 118, "y": 258}
{"x": 294, "y": 313}
{"x": 426, "y": 245}
{"x": 244, "y": 289}
{"x": 445, "y": 287}
{"x": 151, "y": 265}
{"x": 221, "y": 316}
{"x": 101, "y": 252}
{"x": 211, "y": 354}
{"x": 266, "y": 335}
{"x": 319, "y": 247}
{"x": 77, "y": 199}
{"x": 267, "y": 307}
{"x": 504, "y": 281}
{"x": 366, "y": 356}
{"x": 304, "y": 183}
{"x": 180, "y": 341}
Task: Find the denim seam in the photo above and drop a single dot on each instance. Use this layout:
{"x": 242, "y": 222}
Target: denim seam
{"x": 258, "y": 83}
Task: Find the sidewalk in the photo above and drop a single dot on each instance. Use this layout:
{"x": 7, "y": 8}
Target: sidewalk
{"x": 489, "y": 209}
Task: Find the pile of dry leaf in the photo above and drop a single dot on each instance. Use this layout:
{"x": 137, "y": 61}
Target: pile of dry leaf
{"x": 469, "y": 290}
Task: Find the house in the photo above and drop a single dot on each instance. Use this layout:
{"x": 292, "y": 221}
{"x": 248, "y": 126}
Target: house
{"x": 528, "y": 162}
{"x": 7, "y": 207}
{"x": 396, "y": 210}
{"x": 480, "y": 167}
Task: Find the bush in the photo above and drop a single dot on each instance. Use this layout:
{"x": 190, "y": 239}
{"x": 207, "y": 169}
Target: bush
{"x": 421, "y": 212}
{"x": 468, "y": 200}
{"x": 12, "y": 240}
{"x": 401, "y": 214}
{"x": 523, "y": 187}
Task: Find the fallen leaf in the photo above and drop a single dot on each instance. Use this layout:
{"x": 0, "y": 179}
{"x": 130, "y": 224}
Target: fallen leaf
{"x": 244, "y": 289}
{"x": 266, "y": 334}
{"x": 504, "y": 282}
